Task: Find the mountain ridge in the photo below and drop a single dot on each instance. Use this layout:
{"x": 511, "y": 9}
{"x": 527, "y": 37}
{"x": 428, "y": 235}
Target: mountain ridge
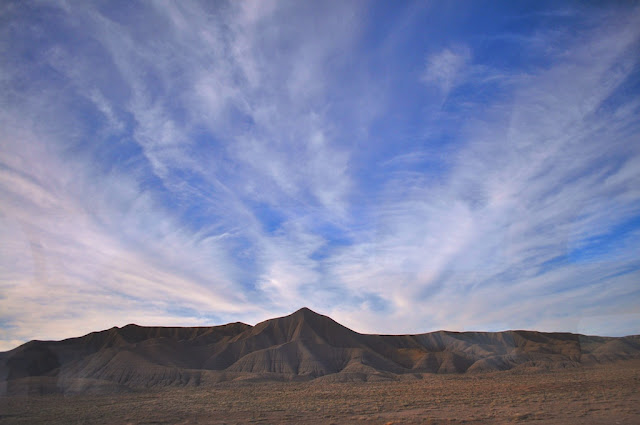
{"x": 304, "y": 345}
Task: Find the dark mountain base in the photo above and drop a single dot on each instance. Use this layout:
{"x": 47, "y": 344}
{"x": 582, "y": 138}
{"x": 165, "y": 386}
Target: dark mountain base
{"x": 603, "y": 394}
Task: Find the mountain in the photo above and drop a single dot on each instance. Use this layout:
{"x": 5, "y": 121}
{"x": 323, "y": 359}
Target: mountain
{"x": 302, "y": 346}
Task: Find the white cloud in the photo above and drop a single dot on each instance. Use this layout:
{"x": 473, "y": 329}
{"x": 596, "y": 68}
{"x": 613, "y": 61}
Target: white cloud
{"x": 535, "y": 173}
{"x": 104, "y": 245}
{"x": 447, "y": 68}
{"x": 244, "y": 107}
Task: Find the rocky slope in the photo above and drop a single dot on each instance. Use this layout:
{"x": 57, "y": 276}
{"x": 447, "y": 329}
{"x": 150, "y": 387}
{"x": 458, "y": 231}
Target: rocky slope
{"x": 304, "y": 345}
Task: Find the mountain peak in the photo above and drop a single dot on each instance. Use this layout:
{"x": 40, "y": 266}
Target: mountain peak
{"x": 309, "y": 317}
{"x": 303, "y": 315}
{"x": 303, "y": 324}
{"x": 305, "y": 311}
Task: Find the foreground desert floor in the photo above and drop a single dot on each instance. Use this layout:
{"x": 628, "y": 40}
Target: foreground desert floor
{"x": 607, "y": 394}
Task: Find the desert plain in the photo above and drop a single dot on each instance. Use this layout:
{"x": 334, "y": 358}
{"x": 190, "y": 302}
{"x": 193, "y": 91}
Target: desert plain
{"x": 600, "y": 394}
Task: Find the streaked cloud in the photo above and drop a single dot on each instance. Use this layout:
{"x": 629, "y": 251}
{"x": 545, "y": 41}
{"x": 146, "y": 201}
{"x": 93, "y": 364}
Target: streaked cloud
{"x": 252, "y": 158}
{"x": 447, "y": 68}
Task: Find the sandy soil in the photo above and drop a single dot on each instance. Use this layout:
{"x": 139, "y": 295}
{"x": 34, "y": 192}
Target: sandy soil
{"x": 607, "y": 394}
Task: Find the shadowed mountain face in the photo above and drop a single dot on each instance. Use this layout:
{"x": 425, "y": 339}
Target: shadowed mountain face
{"x": 303, "y": 345}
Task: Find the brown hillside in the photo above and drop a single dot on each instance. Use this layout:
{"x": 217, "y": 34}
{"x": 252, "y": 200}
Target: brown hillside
{"x": 302, "y": 346}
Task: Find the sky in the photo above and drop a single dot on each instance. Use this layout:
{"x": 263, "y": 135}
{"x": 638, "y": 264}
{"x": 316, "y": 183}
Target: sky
{"x": 402, "y": 167}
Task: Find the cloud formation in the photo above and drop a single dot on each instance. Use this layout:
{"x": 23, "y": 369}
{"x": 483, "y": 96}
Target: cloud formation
{"x": 252, "y": 158}
{"x": 447, "y": 68}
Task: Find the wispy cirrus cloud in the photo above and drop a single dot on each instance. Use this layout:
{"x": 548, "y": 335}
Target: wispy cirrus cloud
{"x": 254, "y": 157}
{"x": 447, "y": 68}
{"x": 495, "y": 242}
{"x": 172, "y": 215}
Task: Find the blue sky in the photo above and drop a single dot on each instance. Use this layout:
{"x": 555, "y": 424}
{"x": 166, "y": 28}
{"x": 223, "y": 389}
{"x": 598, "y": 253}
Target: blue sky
{"x": 400, "y": 166}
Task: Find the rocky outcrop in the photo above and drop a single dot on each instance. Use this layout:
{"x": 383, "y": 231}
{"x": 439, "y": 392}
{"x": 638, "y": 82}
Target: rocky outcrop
{"x": 303, "y": 345}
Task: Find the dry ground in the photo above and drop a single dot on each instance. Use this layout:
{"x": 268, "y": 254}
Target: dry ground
{"x": 607, "y": 394}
